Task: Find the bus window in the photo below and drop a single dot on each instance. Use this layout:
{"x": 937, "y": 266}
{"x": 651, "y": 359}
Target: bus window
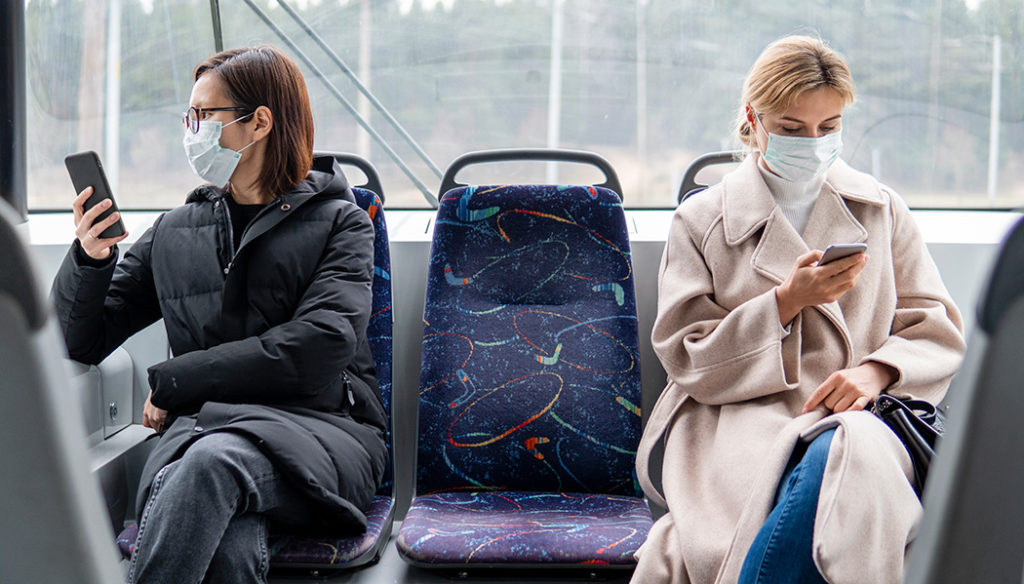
{"x": 938, "y": 117}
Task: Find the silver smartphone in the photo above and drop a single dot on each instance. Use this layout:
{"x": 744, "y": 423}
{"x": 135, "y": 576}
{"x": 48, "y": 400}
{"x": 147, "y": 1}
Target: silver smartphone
{"x": 841, "y": 250}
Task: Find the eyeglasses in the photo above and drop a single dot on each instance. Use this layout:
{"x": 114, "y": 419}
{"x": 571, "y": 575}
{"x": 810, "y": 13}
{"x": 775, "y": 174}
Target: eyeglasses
{"x": 192, "y": 116}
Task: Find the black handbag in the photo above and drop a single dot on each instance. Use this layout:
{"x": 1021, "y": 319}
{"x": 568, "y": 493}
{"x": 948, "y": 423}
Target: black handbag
{"x": 918, "y": 424}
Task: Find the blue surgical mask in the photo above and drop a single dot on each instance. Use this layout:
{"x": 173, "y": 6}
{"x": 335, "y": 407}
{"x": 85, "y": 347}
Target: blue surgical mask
{"x": 208, "y": 159}
{"x": 798, "y": 159}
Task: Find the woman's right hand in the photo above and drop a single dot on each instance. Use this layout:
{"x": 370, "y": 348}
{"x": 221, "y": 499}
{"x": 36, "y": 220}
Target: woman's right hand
{"x": 809, "y": 284}
{"x": 96, "y": 247}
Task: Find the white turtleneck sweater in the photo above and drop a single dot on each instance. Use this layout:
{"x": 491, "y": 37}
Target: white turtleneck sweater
{"x": 795, "y": 200}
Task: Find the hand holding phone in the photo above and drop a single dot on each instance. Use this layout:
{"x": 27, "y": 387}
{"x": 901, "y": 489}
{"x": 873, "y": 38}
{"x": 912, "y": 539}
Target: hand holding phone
{"x": 87, "y": 171}
{"x": 98, "y": 224}
{"x": 841, "y": 250}
{"x": 809, "y": 285}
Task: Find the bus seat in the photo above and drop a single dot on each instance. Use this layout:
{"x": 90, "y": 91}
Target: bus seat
{"x": 529, "y": 413}
{"x": 294, "y": 550}
{"x": 52, "y": 527}
{"x": 972, "y": 529}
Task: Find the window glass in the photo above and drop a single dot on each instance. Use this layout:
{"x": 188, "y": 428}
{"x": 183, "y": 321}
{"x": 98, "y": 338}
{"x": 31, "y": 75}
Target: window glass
{"x": 112, "y": 76}
{"x": 650, "y": 85}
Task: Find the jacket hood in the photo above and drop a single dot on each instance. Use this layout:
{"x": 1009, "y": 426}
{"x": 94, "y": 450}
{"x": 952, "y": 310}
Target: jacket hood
{"x": 325, "y": 179}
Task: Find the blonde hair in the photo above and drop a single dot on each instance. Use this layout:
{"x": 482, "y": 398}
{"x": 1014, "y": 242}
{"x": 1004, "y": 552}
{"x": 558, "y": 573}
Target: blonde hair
{"x": 784, "y": 70}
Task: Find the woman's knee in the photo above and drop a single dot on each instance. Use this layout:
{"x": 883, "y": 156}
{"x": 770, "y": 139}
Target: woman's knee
{"x": 222, "y": 456}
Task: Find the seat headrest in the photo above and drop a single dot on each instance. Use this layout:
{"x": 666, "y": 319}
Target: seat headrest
{"x": 17, "y": 278}
{"x": 1006, "y": 282}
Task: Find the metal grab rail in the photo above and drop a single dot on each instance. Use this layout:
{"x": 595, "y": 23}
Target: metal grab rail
{"x": 611, "y": 181}
{"x": 690, "y": 185}
{"x": 372, "y": 177}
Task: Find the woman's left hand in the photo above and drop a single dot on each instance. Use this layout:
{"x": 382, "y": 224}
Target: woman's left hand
{"x": 852, "y": 389}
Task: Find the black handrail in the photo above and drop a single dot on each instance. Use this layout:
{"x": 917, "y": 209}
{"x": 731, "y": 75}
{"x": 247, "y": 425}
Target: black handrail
{"x": 365, "y": 166}
{"x": 611, "y": 179}
{"x": 690, "y": 185}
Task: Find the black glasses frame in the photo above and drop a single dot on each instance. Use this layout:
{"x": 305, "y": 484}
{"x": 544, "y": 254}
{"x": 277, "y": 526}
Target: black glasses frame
{"x": 194, "y": 115}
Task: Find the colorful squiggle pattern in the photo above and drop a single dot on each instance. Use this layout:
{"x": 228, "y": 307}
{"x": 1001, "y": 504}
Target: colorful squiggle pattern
{"x": 296, "y": 550}
{"x": 532, "y": 334}
{"x": 514, "y": 527}
{"x": 300, "y": 550}
{"x": 530, "y": 379}
{"x": 379, "y": 327}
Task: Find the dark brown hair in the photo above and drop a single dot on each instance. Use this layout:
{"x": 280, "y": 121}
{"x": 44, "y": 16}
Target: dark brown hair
{"x": 263, "y": 75}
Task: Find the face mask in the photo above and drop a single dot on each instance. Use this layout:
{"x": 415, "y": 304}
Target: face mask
{"x": 799, "y": 159}
{"x": 208, "y": 159}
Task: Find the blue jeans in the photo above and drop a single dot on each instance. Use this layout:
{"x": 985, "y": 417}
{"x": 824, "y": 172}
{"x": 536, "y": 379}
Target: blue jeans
{"x": 781, "y": 552}
{"x": 206, "y": 516}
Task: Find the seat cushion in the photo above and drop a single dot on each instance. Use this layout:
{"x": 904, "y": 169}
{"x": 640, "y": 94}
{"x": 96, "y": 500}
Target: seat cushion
{"x": 298, "y": 550}
{"x": 290, "y": 549}
{"x": 524, "y": 528}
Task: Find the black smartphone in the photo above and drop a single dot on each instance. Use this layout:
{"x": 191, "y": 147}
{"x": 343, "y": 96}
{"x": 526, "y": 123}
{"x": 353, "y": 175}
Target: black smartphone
{"x": 87, "y": 171}
{"x": 841, "y": 250}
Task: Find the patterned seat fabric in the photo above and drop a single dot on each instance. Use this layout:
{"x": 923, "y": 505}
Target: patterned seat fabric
{"x": 513, "y": 527}
{"x": 298, "y": 551}
{"x": 379, "y": 328}
{"x": 292, "y": 550}
{"x": 529, "y": 384}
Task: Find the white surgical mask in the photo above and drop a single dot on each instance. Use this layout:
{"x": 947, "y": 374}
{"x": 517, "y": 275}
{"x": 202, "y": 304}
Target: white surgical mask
{"x": 208, "y": 159}
{"x": 798, "y": 159}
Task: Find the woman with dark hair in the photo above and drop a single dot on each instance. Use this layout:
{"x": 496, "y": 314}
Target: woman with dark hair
{"x": 269, "y": 409}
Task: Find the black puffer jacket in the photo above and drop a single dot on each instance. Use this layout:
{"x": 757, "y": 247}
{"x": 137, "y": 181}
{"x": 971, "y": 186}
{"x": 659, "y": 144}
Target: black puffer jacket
{"x": 269, "y": 339}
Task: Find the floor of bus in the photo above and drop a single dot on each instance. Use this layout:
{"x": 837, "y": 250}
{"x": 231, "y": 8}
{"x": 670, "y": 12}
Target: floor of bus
{"x": 391, "y": 569}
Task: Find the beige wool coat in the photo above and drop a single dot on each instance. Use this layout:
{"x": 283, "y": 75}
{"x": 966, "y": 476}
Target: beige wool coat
{"x": 731, "y": 413}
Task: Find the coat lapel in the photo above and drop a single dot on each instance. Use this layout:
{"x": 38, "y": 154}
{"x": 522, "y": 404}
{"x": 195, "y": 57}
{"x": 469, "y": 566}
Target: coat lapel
{"x": 748, "y": 207}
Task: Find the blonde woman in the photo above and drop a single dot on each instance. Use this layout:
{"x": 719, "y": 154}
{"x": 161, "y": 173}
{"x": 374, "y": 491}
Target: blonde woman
{"x": 773, "y": 471}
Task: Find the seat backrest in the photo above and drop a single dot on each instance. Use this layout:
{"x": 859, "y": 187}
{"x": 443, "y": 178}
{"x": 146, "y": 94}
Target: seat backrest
{"x": 379, "y": 329}
{"x": 530, "y": 375}
{"x": 973, "y": 526}
{"x": 53, "y": 527}
{"x": 689, "y": 185}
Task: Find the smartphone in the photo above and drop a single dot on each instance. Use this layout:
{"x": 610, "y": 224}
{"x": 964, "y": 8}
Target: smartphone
{"x": 841, "y": 250}
{"x": 87, "y": 171}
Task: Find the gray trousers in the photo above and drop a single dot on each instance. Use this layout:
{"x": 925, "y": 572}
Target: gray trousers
{"x": 206, "y": 517}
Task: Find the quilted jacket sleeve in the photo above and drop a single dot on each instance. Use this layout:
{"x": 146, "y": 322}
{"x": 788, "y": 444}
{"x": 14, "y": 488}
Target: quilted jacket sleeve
{"x": 99, "y": 306}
